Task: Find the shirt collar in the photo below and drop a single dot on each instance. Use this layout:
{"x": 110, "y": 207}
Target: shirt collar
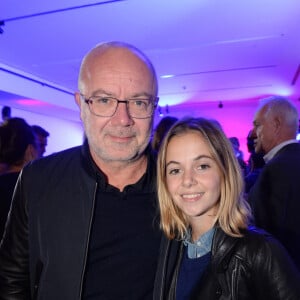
{"x": 146, "y": 184}
{"x": 200, "y": 247}
{"x": 273, "y": 151}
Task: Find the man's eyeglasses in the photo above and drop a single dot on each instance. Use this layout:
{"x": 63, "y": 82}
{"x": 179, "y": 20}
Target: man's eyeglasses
{"x": 104, "y": 106}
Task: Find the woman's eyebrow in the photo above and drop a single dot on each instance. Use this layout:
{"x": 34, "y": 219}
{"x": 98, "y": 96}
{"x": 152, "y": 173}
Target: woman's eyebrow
{"x": 172, "y": 162}
{"x": 202, "y": 156}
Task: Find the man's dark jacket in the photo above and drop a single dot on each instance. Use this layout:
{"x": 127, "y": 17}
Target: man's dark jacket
{"x": 275, "y": 198}
{"x": 252, "y": 267}
{"x": 50, "y": 232}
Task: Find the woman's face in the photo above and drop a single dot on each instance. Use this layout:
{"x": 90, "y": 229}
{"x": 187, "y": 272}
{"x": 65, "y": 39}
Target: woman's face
{"x": 193, "y": 177}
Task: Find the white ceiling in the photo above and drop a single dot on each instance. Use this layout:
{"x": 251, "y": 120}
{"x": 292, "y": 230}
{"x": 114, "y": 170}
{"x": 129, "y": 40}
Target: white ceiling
{"x": 217, "y": 50}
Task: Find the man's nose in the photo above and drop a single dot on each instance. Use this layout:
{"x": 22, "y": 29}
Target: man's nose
{"x": 253, "y": 134}
{"x": 122, "y": 115}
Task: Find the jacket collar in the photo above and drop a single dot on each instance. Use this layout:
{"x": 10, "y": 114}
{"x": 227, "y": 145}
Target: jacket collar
{"x": 222, "y": 249}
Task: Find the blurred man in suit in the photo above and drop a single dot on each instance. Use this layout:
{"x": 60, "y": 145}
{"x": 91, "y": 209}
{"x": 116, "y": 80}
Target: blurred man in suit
{"x": 275, "y": 197}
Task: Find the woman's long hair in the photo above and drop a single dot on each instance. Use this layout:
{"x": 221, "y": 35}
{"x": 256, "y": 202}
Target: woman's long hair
{"x": 234, "y": 212}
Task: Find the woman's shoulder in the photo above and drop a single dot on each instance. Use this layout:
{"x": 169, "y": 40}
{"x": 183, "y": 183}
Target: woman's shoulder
{"x": 261, "y": 259}
{"x": 258, "y": 246}
{"x": 253, "y": 243}
{"x": 254, "y": 237}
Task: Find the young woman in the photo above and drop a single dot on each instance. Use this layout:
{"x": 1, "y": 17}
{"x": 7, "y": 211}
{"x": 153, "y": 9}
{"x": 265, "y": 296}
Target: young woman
{"x": 210, "y": 250}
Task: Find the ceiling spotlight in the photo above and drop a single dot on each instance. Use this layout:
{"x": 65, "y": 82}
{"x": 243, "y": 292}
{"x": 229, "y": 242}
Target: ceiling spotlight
{"x": 167, "y": 76}
{"x": 220, "y": 104}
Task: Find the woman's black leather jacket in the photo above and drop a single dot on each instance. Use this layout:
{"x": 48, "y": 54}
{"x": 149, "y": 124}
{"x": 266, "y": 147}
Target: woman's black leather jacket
{"x": 255, "y": 266}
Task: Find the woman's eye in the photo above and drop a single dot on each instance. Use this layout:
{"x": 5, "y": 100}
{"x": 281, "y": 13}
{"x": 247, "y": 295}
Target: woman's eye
{"x": 173, "y": 171}
{"x": 203, "y": 167}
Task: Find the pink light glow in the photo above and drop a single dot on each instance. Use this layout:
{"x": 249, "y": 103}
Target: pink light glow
{"x": 31, "y": 102}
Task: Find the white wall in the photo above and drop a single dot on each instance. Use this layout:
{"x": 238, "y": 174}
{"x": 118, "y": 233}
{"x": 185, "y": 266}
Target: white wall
{"x": 236, "y": 117}
{"x": 63, "y": 133}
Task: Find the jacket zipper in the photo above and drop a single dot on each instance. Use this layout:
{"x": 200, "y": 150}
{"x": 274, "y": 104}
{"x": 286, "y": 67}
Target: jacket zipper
{"x": 88, "y": 241}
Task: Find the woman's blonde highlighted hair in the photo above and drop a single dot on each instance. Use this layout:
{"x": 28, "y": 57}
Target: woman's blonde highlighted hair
{"x": 234, "y": 212}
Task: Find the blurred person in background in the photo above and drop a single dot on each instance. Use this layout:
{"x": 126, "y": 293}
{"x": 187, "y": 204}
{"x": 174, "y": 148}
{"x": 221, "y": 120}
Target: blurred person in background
{"x": 41, "y": 139}
{"x": 6, "y": 113}
{"x": 275, "y": 195}
{"x": 255, "y": 162}
{"x": 239, "y": 154}
{"x": 17, "y": 148}
{"x": 160, "y": 131}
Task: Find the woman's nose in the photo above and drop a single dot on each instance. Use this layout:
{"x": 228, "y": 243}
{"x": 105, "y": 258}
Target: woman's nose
{"x": 189, "y": 178}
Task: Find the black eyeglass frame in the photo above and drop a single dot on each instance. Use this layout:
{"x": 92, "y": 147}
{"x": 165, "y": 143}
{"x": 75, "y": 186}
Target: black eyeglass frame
{"x": 89, "y": 102}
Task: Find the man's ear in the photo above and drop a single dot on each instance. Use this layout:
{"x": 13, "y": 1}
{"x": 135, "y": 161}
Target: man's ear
{"x": 277, "y": 122}
{"x": 78, "y": 99}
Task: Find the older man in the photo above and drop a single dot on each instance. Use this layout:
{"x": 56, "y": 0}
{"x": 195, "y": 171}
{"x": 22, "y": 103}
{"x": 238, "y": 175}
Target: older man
{"x": 83, "y": 222}
{"x": 275, "y": 196}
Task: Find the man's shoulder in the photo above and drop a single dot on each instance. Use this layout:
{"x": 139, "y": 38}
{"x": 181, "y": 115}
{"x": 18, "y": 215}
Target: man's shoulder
{"x": 287, "y": 157}
{"x": 288, "y": 149}
{"x": 56, "y": 160}
{"x": 64, "y": 153}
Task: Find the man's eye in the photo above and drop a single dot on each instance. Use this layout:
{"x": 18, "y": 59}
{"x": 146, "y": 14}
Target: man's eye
{"x": 141, "y": 102}
{"x": 103, "y": 100}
